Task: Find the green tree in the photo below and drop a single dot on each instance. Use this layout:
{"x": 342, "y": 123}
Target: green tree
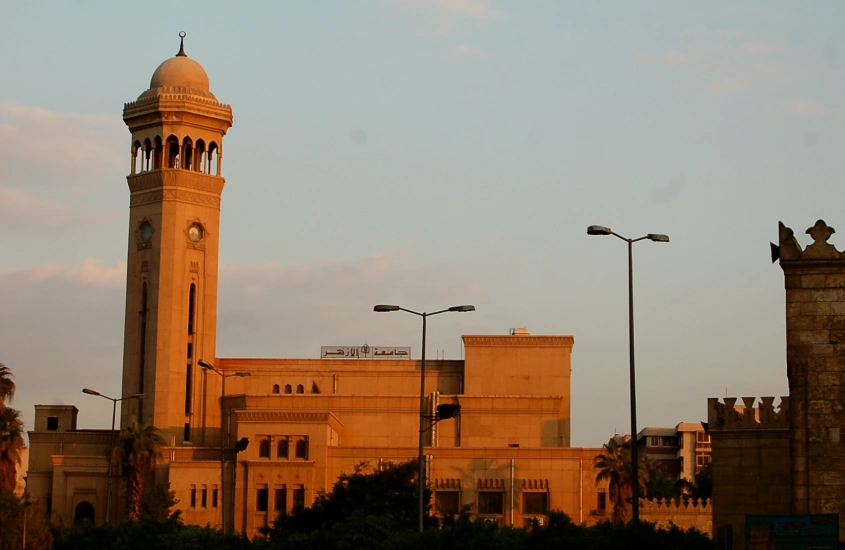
{"x": 12, "y": 511}
{"x": 369, "y": 506}
{"x": 614, "y": 466}
{"x": 11, "y": 445}
{"x": 659, "y": 483}
{"x": 136, "y": 449}
{"x": 7, "y": 386}
{"x": 157, "y": 503}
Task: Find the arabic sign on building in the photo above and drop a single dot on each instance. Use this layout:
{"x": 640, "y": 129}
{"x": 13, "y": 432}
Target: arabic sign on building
{"x": 364, "y": 352}
{"x": 820, "y": 531}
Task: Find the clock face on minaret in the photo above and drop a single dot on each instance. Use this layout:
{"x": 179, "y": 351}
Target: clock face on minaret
{"x": 175, "y": 185}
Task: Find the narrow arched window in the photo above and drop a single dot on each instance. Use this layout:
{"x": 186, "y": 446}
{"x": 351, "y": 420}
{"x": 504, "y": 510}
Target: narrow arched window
{"x": 136, "y": 154}
{"x": 158, "y": 150}
{"x": 301, "y": 449}
{"x": 145, "y": 159}
{"x": 300, "y": 388}
{"x": 264, "y": 448}
{"x": 187, "y": 154}
{"x": 275, "y": 388}
{"x": 172, "y": 148}
{"x": 288, "y": 389}
{"x": 199, "y": 153}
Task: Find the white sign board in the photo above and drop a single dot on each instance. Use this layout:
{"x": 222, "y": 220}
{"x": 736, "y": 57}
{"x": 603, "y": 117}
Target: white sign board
{"x": 364, "y": 352}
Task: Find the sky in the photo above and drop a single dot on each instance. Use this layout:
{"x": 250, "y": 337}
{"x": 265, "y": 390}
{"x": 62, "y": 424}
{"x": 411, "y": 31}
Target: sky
{"x": 432, "y": 153}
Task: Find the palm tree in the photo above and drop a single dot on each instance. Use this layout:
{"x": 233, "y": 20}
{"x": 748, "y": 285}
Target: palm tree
{"x": 11, "y": 445}
{"x": 614, "y": 466}
{"x": 7, "y": 387}
{"x": 138, "y": 446}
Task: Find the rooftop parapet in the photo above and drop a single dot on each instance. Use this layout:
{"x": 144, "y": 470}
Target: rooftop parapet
{"x": 789, "y": 249}
{"x": 692, "y": 505}
{"x": 729, "y": 415}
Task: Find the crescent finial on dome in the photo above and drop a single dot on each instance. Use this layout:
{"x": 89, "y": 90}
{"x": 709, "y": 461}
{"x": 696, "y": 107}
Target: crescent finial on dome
{"x": 182, "y": 53}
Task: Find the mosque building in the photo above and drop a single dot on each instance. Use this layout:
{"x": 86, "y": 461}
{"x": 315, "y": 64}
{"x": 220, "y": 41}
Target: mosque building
{"x": 507, "y": 453}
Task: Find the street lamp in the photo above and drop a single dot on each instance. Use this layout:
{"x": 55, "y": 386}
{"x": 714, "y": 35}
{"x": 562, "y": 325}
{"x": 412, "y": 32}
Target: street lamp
{"x": 658, "y": 238}
{"x": 421, "y": 457}
{"x": 208, "y": 366}
{"x": 111, "y": 461}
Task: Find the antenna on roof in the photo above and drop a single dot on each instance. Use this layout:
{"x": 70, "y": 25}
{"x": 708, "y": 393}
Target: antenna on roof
{"x": 182, "y": 35}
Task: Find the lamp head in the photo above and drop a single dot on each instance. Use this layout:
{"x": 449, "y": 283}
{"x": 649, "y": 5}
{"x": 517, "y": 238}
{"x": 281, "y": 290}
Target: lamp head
{"x": 658, "y": 238}
{"x": 90, "y": 392}
{"x": 243, "y": 373}
{"x": 598, "y": 230}
{"x": 204, "y": 364}
{"x": 137, "y": 396}
{"x": 381, "y": 308}
{"x": 241, "y": 444}
{"x": 462, "y": 309}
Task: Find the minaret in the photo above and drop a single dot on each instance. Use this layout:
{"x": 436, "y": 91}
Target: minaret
{"x": 175, "y": 187}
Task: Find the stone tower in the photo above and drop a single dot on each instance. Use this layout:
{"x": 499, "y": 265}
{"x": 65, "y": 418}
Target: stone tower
{"x": 815, "y": 360}
{"x": 175, "y": 186}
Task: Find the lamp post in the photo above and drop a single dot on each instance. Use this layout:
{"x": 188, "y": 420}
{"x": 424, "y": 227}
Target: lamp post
{"x": 421, "y": 456}
{"x": 208, "y": 366}
{"x": 658, "y": 238}
{"x": 111, "y": 461}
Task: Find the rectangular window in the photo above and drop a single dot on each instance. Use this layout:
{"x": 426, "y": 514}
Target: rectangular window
{"x": 261, "y": 497}
{"x": 602, "y": 503}
{"x": 491, "y": 502}
{"x": 193, "y": 496}
{"x": 534, "y": 503}
{"x": 49, "y": 506}
{"x": 186, "y": 435}
{"x": 280, "y": 499}
{"x": 204, "y": 497}
{"x": 52, "y": 423}
{"x": 214, "y": 497}
{"x": 447, "y": 503}
{"x": 282, "y": 448}
{"x": 298, "y": 497}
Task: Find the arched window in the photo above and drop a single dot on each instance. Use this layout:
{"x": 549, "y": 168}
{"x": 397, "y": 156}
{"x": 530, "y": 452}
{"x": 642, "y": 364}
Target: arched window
{"x": 187, "y": 153}
{"x": 148, "y": 150}
{"x": 288, "y": 388}
{"x": 264, "y": 448}
{"x": 275, "y": 388}
{"x": 158, "y": 148}
{"x": 282, "y": 448}
{"x": 199, "y": 153}
{"x": 301, "y": 450}
{"x": 172, "y": 147}
{"x": 136, "y": 154}
{"x": 192, "y": 299}
{"x": 213, "y": 160}
{"x": 84, "y": 511}
{"x": 300, "y": 388}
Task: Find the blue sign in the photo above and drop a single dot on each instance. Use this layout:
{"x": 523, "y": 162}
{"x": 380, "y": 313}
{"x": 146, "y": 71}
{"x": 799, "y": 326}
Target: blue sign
{"x": 810, "y": 532}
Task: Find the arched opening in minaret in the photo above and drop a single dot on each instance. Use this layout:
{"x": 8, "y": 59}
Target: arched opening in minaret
{"x": 199, "y": 153}
{"x": 172, "y": 148}
{"x": 148, "y": 150}
{"x": 137, "y": 153}
{"x": 213, "y": 160}
{"x": 187, "y": 153}
{"x": 158, "y": 151}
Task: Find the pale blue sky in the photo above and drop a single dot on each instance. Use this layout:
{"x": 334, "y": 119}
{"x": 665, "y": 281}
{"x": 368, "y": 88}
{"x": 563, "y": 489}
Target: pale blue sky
{"x": 433, "y": 153}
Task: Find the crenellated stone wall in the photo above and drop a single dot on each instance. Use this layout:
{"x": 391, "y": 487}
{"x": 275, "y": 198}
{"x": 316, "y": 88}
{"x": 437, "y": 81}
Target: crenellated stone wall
{"x": 751, "y": 472}
{"x": 685, "y": 513}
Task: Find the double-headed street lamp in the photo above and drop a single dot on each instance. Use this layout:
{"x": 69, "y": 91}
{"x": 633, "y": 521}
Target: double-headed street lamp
{"x": 111, "y": 461}
{"x": 421, "y": 457}
{"x": 658, "y": 238}
{"x": 208, "y": 366}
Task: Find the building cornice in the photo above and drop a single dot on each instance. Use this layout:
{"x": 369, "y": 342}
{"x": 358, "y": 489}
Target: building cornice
{"x": 518, "y": 341}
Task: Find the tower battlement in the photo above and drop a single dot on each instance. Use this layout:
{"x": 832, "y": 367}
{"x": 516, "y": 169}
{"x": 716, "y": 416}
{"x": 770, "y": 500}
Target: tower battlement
{"x": 789, "y": 249}
{"x": 728, "y": 415}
